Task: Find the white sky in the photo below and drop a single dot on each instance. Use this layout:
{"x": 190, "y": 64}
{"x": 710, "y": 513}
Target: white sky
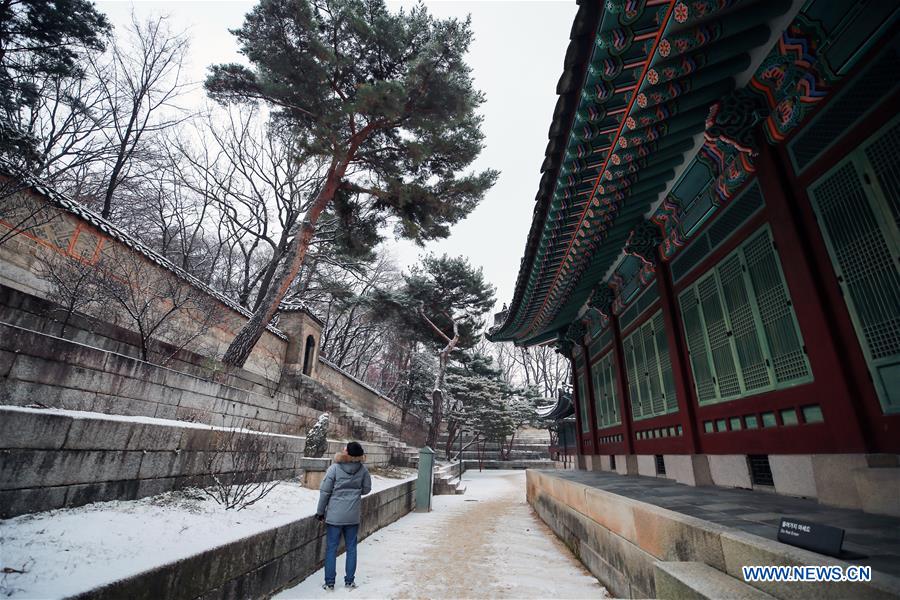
{"x": 517, "y": 58}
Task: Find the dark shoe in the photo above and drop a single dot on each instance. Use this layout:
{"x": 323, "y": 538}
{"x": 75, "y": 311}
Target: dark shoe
{"x": 352, "y": 585}
{"x": 328, "y": 587}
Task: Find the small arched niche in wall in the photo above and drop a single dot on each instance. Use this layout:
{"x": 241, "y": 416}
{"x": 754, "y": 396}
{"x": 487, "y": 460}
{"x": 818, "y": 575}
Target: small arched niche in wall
{"x": 309, "y": 355}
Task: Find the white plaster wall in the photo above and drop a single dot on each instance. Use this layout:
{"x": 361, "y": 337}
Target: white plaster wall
{"x": 680, "y": 467}
{"x": 646, "y": 465}
{"x": 729, "y": 470}
{"x": 834, "y": 481}
{"x": 793, "y": 474}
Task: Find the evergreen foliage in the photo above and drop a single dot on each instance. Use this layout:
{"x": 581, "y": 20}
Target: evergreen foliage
{"x": 40, "y": 39}
{"x": 443, "y": 299}
{"x": 479, "y": 399}
{"x": 437, "y": 292}
{"x": 385, "y": 99}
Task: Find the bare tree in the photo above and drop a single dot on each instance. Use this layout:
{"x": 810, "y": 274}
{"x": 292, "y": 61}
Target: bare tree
{"x": 167, "y": 313}
{"x": 354, "y": 336}
{"x": 139, "y": 86}
{"x": 73, "y": 285}
{"x": 20, "y": 211}
{"x": 65, "y": 122}
{"x": 259, "y": 180}
{"x": 242, "y": 465}
{"x": 178, "y": 223}
{"x": 538, "y": 367}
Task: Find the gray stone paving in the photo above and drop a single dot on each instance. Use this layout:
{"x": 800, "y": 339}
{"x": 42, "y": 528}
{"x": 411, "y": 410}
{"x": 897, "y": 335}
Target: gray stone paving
{"x": 876, "y": 537}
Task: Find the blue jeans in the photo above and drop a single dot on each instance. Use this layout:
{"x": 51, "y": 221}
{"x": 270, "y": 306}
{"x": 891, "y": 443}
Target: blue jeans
{"x": 332, "y": 539}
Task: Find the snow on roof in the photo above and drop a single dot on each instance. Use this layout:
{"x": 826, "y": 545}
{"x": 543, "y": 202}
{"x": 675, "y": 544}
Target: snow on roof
{"x": 298, "y": 306}
{"x": 62, "y": 201}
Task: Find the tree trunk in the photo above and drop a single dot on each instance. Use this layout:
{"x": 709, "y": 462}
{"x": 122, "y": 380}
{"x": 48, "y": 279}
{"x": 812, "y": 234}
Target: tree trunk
{"x": 249, "y": 335}
{"x": 246, "y": 339}
{"x": 437, "y": 395}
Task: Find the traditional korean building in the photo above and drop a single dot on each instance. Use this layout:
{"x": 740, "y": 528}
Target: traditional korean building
{"x": 716, "y": 244}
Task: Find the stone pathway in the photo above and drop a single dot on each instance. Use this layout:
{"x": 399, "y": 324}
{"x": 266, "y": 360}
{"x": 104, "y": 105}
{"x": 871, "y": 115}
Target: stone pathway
{"x": 875, "y": 537}
{"x": 485, "y": 544}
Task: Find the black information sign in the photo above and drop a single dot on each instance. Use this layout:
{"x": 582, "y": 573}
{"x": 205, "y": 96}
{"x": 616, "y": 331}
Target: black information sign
{"x": 823, "y": 539}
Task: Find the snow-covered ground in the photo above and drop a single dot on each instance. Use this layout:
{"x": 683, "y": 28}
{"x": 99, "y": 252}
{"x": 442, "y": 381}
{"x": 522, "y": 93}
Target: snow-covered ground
{"x": 64, "y": 552}
{"x": 487, "y": 543}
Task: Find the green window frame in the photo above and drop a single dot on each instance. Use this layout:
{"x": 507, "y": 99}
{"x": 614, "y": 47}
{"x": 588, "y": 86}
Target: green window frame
{"x": 741, "y": 330}
{"x": 581, "y": 377}
{"x": 857, "y": 206}
{"x": 651, "y": 384}
{"x": 606, "y": 405}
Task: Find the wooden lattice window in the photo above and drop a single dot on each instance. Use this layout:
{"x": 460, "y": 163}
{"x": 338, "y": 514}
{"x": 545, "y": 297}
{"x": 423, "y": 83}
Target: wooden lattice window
{"x": 651, "y": 385}
{"x": 606, "y": 405}
{"x": 858, "y": 208}
{"x": 741, "y": 330}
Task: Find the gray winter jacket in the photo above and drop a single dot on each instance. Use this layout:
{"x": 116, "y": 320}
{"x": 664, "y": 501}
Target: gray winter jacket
{"x": 340, "y": 494}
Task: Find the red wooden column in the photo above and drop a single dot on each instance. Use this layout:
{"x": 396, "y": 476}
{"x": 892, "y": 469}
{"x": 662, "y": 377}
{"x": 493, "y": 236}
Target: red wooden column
{"x": 622, "y": 386}
{"x": 841, "y": 405}
{"x": 592, "y": 408}
{"x": 678, "y": 354}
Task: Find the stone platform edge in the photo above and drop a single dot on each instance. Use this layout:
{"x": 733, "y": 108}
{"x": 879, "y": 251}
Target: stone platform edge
{"x": 257, "y": 566}
{"x": 620, "y": 540}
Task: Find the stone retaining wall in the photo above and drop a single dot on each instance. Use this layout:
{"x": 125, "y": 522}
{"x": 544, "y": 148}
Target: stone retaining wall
{"x": 42, "y": 316}
{"x": 620, "y": 540}
{"x": 57, "y": 373}
{"x": 36, "y": 314}
{"x": 375, "y": 405}
{"x": 55, "y": 459}
{"x": 67, "y": 231}
{"x": 258, "y": 566}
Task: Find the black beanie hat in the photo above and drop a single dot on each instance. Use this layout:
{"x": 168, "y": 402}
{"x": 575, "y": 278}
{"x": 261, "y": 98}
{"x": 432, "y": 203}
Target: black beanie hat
{"x": 354, "y": 449}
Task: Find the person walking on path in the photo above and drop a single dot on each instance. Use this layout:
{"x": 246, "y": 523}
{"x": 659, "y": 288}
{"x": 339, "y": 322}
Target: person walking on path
{"x": 340, "y": 497}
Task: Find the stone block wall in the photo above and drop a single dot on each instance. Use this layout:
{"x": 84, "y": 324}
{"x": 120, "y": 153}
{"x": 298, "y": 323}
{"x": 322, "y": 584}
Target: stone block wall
{"x": 68, "y": 231}
{"x": 41, "y": 369}
{"x": 621, "y": 540}
{"x": 53, "y": 459}
{"x": 36, "y": 314}
{"x": 376, "y": 406}
{"x": 42, "y": 316}
{"x": 258, "y": 566}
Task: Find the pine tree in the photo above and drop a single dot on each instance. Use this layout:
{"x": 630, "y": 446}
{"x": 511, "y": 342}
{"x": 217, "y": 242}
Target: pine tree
{"x": 40, "y": 39}
{"x": 479, "y": 401}
{"x": 385, "y": 99}
{"x": 444, "y": 298}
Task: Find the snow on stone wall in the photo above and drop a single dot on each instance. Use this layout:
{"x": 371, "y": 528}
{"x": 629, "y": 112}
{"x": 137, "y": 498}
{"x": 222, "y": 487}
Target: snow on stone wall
{"x": 71, "y": 230}
{"x": 39, "y": 368}
{"x": 73, "y": 233}
{"x": 53, "y": 458}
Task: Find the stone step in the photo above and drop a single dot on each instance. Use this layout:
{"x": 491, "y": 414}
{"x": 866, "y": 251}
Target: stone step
{"x": 368, "y": 430}
{"x": 699, "y": 581}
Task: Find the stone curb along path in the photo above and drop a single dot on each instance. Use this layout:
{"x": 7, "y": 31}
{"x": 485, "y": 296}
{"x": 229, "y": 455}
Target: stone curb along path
{"x": 259, "y": 565}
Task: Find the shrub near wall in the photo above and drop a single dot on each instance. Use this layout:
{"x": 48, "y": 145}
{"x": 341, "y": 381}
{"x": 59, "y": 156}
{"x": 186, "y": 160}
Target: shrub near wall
{"x": 258, "y": 566}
